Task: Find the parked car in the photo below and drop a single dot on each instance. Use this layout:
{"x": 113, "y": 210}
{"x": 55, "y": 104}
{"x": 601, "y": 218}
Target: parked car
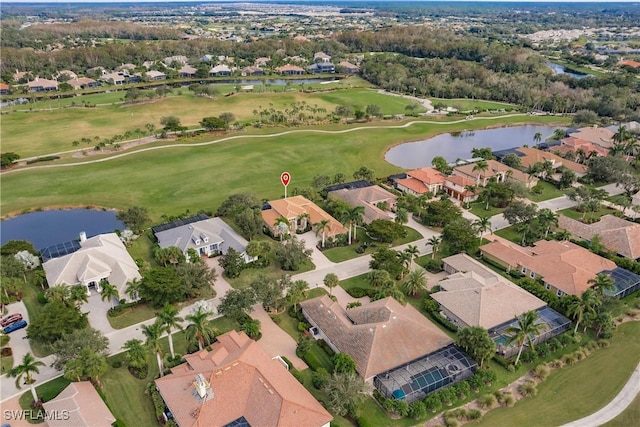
{"x": 11, "y": 318}
{"x": 15, "y": 326}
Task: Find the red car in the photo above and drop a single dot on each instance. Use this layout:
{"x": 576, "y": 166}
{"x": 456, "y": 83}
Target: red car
{"x": 11, "y": 318}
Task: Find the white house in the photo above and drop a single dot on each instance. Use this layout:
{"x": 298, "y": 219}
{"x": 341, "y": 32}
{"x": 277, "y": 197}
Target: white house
{"x": 208, "y": 237}
{"x": 100, "y": 257}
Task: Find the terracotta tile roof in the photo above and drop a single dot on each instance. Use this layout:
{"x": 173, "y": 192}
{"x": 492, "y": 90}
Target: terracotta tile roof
{"x": 84, "y": 406}
{"x": 367, "y": 197}
{"x": 630, "y": 63}
{"x": 480, "y": 297}
{"x": 573, "y": 143}
{"x": 596, "y": 135}
{"x": 533, "y": 155}
{"x": 4, "y": 86}
{"x": 616, "y": 234}
{"x": 564, "y": 265}
{"x": 245, "y": 382}
{"x": 378, "y": 336}
{"x": 289, "y": 67}
{"x": 413, "y": 184}
{"x": 429, "y": 176}
{"x": 292, "y": 207}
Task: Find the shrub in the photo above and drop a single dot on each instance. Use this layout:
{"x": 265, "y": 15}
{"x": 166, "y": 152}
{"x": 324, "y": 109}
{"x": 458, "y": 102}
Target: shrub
{"x": 578, "y": 355}
{"x": 42, "y": 159}
{"x": 543, "y": 350}
{"x": 323, "y": 345}
{"x": 565, "y": 340}
{"x": 116, "y": 364}
{"x": 319, "y": 378}
{"x": 364, "y": 422}
{"x": 569, "y": 359}
{"x": 433, "y": 265}
{"x": 528, "y": 389}
{"x": 604, "y": 343}
{"x": 554, "y": 344}
{"x": 474, "y": 414}
{"x": 460, "y": 413}
{"x": 541, "y": 372}
{"x": 509, "y": 400}
{"x": 528, "y": 356}
{"x": 303, "y": 326}
{"x": 433, "y": 402}
{"x": 357, "y": 292}
{"x": 417, "y": 410}
{"x": 451, "y": 422}
{"x": 487, "y": 401}
{"x": 462, "y": 389}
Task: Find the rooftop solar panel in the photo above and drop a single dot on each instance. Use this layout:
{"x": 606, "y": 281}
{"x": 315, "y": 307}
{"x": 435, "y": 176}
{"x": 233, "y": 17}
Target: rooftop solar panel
{"x": 59, "y": 250}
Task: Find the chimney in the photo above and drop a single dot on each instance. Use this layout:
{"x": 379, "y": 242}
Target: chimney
{"x": 83, "y": 236}
{"x": 202, "y": 386}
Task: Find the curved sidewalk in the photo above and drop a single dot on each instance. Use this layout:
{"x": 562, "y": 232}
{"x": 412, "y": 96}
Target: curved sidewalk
{"x": 615, "y": 407}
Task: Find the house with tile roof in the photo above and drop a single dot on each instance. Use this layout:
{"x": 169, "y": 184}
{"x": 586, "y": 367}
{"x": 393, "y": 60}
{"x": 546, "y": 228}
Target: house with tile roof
{"x": 474, "y": 295}
{"x": 530, "y": 156}
{"x": 78, "y": 405}
{"x": 348, "y": 67}
{"x": 220, "y": 70}
{"x": 378, "y": 336}
{"x": 460, "y": 188}
{"x": 208, "y": 237}
{"x": 236, "y": 383}
{"x": 82, "y": 82}
{"x": 42, "y": 85}
{"x": 600, "y": 136}
{"x": 616, "y": 234}
{"x": 321, "y": 57}
{"x": 115, "y": 78}
{"x": 564, "y": 267}
{"x": 155, "y": 75}
{"x": 495, "y": 171}
{"x": 4, "y": 89}
{"x": 376, "y": 201}
{"x": 187, "y": 71}
{"x": 421, "y": 181}
{"x": 629, "y": 63}
{"x": 289, "y": 70}
{"x": 102, "y": 257}
{"x": 574, "y": 144}
{"x": 394, "y": 347}
{"x": 252, "y": 71}
{"x": 299, "y": 211}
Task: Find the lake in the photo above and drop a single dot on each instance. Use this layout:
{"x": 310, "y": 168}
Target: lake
{"x": 47, "y": 228}
{"x": 411, "y": 155}
{"x": 560, "y": 69}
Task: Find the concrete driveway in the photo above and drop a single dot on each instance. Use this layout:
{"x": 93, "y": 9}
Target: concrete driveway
{"x": 97, "y": 313}
{"x": 275, "y": 340}
{"x": 317, "y": 257}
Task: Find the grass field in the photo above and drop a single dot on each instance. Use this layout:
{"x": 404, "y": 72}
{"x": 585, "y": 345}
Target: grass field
{"x": 628, "y": 417}
{"x": 343, "y": 253}
{"x": 579, "y": 390}
{"x": 572, "y": 213}
{"x": 170, "y": 180}
{"x": 471, "y": 104}
{"x": 43, "y": 132}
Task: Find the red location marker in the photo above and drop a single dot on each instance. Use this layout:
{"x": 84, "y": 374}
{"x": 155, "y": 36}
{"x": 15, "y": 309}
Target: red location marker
{"x": 285, "y": 177}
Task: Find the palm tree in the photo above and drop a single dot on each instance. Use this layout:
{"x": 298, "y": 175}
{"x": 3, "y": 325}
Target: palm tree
{"x": 303, "y": 218}
{"x": 331, "y": 281}
{"x": 585, "y": 305}
{"x": 78, "y": 294}
{"x": 59, "y": 292}
{"x": 402, "y": 216}
{"x": 251, "y": 327}
{"x": 352, "y": 217}
{"x": 199, "y": 327}
{"x": 537, "y": 138}
{"x": 39, "y": 278}
{"x": 525, "y": 331}
{"x": 602, "y": 282}
{"x": 482, "y": 224}
{"x": 471, "y": 189}
{"x": 622, "y": 135}
{"x": 153, "y": 332}
{"x": 133, "y": 289}
{"x": 547, "y": 218}
{"x": 321, "y": 227}
{"x": 559, "y": 134}
{"x": 480, "y": 167}
{"x": 109, "y": 292}
{"x": 282, "y": 224}
{"x": 28, "y": 366}
{"x": 563, "y": 235}
{"x": 297, "y": 292}
{"x": 378, "y": 278}
{"x": 413, "y": 251}
{"x": 169, "y": 319}
{"x": 405, "y": 258}
{"x": 136, "y": 354}
{"x": 434, "y": 242}
{"x": 414, "y": 282}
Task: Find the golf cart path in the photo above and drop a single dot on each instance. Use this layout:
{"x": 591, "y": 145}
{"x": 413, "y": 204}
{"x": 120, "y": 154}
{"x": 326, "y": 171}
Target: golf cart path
{"x": 261, "y": 136}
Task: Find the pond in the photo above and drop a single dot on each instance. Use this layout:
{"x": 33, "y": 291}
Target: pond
{"x": 560, "y": 69}
{"x": 411, "y": 155}
{"x": 47, "y": 228}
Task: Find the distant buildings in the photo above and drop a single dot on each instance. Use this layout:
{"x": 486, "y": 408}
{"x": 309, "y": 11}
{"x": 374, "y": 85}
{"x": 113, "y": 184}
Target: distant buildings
{"x": 616, "y": 234}
{"x": 376, "y": 201}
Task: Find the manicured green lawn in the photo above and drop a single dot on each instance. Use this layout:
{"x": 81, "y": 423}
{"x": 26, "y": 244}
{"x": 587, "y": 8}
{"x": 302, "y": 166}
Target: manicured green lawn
{"x": 463, "y": 104}
{"x": 510, "y": 233}
{"x": 344, "y": 253}
{"x": 142, "y": 248}
{"x": 572, "y": 213}
{"x": 549, "y": 192}
{"x": 579, "y": 390}
{"x": 132, "y": 315}
{"x": 6, "y": 364}
{"x": 168, "y": 181}
{"x": 478, "y": 209}
{"x": 31, "y": 133}
{"x": 46, "y": 392}
{"x": 273, "y": 270}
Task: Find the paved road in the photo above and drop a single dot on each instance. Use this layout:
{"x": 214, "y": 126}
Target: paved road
{"x": 615, "y": 407}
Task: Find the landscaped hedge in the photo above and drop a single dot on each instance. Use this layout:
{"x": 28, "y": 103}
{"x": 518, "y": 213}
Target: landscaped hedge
{"x": 42, "y": 159}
